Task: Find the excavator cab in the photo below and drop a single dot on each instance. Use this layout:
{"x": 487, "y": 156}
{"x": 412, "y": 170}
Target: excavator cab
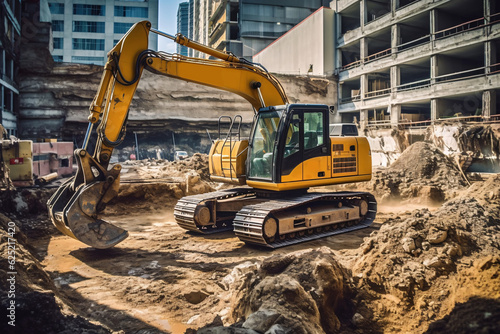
{"x": 289, "y": 145}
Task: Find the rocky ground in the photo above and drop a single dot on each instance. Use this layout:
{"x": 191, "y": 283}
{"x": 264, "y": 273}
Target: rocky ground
{"x": 429, "y": 264}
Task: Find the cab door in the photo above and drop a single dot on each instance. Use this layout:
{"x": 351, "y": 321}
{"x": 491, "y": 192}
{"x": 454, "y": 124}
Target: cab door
{"x": 306, "y": 145}
{"x": 316, "y": 155}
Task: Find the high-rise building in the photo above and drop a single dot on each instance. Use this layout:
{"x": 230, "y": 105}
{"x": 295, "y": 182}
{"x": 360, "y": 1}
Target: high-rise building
{"x": 199, "y": 15}
{"x": 10, "y": 34}
{"x": 85, "y": 30}
{"x": 183, "y": 25}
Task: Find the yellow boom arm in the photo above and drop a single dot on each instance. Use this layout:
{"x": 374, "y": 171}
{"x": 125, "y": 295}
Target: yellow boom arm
{"x": 75, "y": 205}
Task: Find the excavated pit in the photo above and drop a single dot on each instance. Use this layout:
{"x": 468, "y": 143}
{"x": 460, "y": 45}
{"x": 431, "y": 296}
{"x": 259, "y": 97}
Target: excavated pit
{"x": 418, "y": 269}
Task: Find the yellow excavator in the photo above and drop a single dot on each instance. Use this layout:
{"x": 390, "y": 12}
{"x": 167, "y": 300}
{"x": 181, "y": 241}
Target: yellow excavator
{"x": 288, "y": 151}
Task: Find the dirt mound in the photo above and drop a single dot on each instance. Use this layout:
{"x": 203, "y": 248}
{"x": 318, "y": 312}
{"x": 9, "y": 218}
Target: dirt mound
{"x": 31, "y": 290}
{"x": 156, "y": 184}
{"x": 477, "y": 315}
{"x": 198, "y": 163}
{"x": 422, "y": 171}
{"x": 487, "y": 193}
{"x": 300, "y": 292}
{"x": 423, "y": 160}
{"x": 164, "y": 169}
{"x": 422, "y": 260}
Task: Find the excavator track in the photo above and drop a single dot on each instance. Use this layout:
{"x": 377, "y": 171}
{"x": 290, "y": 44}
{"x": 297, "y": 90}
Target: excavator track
{"x": 308, "y": 217}
{"x": 186, "y": 208}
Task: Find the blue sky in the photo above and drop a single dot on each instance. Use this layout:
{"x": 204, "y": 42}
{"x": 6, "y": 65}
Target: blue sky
{"x": 167, "y": 22}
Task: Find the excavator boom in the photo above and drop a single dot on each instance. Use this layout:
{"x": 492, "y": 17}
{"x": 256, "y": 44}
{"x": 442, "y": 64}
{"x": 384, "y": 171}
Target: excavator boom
{"x": 76, "y": 205}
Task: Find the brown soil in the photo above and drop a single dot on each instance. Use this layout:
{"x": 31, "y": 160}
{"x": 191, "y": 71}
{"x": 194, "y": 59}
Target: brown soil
{"x": 417, "y": 269}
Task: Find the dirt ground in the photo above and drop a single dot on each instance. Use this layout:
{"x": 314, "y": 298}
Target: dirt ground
{"x": 429, "y": 263}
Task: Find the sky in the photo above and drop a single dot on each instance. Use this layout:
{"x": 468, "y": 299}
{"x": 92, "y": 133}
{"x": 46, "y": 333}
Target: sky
{"x": 167, "y": 22}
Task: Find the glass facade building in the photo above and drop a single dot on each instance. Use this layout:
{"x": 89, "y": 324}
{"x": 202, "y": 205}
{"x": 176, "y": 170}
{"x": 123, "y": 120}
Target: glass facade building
{"x": 10, "y": 34}
{"x": 84, "y": 31}
{"x": 183, "y": 25}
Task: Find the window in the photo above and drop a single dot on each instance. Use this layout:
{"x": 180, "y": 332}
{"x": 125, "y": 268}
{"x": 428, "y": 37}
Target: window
{"x": 121, "y": 28}
{"x": 58, "y": 59}
{"x": 88, "y": 44}
{"x": 127, "y": 11}
{"x": 88, "y": 60}
{"x": 292, "y": 143}
{"x": 56, "y": 8}
{"x": 88, "y": 26}
{"x": 57, "y": 25}
{"x": 58, "y": 43}
{"x": 313, "y": 129}
{"x": 96, "y": 10}
{"x": 261, "y": 153}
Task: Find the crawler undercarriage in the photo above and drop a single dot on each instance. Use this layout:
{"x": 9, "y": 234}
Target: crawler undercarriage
{"x": 276, "y": 220}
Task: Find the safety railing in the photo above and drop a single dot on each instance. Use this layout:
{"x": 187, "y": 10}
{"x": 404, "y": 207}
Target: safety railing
{"x": 231, "y": 135}
{"x": 425, "y": 123}
{"x": 350, "y": 65}
{"x": 470, "y": 25}
{"x": 467, "y": 74}
{"x": 378, "y": 55}
{"x": 414, "y": 85}
{"x": 350, "y": 99}
{"x": 413, "y": 43}
{"x": 377, "y": 93}
{"x": 494, "y": 69}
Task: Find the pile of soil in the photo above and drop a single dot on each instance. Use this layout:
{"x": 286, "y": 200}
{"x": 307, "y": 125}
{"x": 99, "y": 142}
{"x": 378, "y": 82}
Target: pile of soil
{"x": 487, "y": 193}
{"x": 156, "y": 184}
{"x": 421, "y": 173}
{"x": 420, "y": 265}
{"x": 38, "y": 307}
{"x": 164, "y": 169}
{"x": 29, "y": 207}
{"x": 300, "y": 292}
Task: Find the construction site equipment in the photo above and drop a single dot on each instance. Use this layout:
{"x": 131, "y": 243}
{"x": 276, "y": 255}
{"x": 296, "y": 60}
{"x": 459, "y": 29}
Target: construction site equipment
{"x": 289, "y": 150}
{"x": 24, "y": 163}
{"x": 16, "y": 161}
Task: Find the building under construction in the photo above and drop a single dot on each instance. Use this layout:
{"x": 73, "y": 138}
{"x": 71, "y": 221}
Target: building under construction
{"x": 401, "y": 61}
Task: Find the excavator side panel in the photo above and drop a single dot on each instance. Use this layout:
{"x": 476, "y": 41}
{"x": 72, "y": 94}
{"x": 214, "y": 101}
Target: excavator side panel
{"x": 227, "y": 161}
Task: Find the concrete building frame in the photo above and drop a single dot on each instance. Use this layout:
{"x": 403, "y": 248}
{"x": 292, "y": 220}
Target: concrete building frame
{"x": 417, "y": 61}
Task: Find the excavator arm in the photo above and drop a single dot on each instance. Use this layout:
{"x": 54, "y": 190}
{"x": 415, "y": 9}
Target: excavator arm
{"x": 75, "y": 206}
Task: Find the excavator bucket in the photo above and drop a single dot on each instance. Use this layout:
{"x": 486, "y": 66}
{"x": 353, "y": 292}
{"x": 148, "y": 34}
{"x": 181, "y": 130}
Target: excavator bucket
{"x": 74, "y": 207}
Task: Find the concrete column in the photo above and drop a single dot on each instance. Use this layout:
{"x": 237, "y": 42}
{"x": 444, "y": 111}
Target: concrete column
{"x": 487, "y": 57}
{"x": 363, "y": 85}
{"x": 433, "y": 22}
{"x": 394, "y": 6}
{"x": 434, "y": 110}
{"x": 363, "y": 119}
{"x": 395, "y": 36}
{"x": 434, "y": 69}
{"x": 362, "y": 14}
{"x": 363, "y": 48}
{"x": 487, "y": 8}
{"x": 489, "y": 102}
{"x": 395, "y": 113}
{"x": 395, "y": 78}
